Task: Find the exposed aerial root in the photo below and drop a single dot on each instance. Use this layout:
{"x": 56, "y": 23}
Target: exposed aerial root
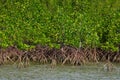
{"x": 64, "y": 55}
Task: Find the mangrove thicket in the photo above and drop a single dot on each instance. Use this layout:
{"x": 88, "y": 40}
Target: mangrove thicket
{"x": 74, "y": 30}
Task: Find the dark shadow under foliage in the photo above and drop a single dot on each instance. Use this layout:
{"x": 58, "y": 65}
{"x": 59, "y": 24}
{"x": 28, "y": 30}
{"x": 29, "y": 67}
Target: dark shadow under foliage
{"x": 64, "y": 55}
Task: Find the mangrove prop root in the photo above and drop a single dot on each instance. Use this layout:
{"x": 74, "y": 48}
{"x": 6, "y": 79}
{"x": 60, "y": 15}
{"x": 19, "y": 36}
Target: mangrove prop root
{"x": 53, "y": 63}
{"x": 65, "y": 55}
{"x": 66, "y": 60}
{"x": 10, "y": 59}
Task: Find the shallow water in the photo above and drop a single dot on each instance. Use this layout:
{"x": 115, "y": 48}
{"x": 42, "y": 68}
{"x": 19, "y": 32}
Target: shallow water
{"x": 45, "y": 72}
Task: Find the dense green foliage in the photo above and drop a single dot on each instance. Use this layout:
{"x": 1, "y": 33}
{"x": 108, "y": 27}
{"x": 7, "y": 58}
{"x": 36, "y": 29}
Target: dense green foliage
{"x": 81, "y": 23}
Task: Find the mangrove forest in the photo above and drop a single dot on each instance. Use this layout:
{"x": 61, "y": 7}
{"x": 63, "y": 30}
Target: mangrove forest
{"x": 59, "y": 31}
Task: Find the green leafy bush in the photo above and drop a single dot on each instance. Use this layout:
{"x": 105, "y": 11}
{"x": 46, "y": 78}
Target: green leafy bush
{"x": 80, "y": 23}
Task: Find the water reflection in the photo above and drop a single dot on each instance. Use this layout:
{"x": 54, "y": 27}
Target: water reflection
{"x": 108, "y": 66}
{"x": 45, "y": 72}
